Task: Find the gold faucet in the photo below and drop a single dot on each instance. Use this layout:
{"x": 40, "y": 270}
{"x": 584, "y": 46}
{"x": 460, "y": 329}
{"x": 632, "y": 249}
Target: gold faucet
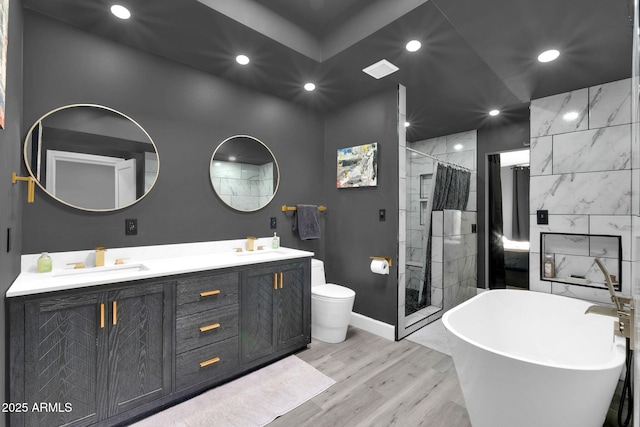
{"x": 100, "y": 250}
{"x": 623, "y": 310}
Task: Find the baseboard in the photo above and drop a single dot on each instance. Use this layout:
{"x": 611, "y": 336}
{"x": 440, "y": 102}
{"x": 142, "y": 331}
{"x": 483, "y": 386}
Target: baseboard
{"x": 374, "y": 326}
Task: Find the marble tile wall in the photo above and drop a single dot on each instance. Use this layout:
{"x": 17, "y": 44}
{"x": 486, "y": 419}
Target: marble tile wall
{"x": 454, "y": 275}
{"x": 458, "y": 148}
{"x": 245, "y": 186}
{"x": 582, "y": 167}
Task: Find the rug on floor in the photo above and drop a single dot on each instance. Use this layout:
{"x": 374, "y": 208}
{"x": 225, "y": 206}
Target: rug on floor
{"x": 432, "y": 336}
{"x": 255, "y": 399}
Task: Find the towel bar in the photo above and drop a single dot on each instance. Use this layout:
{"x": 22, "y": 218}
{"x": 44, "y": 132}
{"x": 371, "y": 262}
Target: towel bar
{"x": 293, "y": 208}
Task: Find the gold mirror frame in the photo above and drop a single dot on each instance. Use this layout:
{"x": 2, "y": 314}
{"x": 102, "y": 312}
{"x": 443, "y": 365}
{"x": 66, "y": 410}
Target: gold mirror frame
{"x": 135, "y": 125}
{"x": 227, "y": 198}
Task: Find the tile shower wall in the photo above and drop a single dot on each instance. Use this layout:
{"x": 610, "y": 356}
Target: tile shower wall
{"x": 458, "y": 148}
{"x": 454, "y": 251}
{"x": 245, "y": 186}
{"x": 581, "y": 172}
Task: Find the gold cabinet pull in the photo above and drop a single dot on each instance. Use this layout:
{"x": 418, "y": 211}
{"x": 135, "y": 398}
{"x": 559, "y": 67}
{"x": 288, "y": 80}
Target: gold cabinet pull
{"x": 209, "y": 362}
{"x": 209, "y": 327}
{"x": 101, "y": 316}
{"x": 115, "y": 312}
{"x": 281, "y": 279}
{"x": 275, "y": 280}
{"x": 209, "y": 293}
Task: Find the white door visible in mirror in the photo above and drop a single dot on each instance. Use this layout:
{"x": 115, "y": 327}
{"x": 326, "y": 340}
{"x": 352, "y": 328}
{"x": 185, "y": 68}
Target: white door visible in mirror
{"x": 91, "y": 157}
{"x": 244, "y": 173}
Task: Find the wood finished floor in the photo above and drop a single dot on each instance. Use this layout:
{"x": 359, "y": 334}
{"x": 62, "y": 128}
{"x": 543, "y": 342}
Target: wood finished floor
{"x": 380, "y": 383}
{"x": 385, "y": 383}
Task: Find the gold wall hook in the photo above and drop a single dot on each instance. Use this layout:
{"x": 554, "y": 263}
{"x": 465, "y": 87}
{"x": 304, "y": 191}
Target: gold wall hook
{"x": 30, "y": 185}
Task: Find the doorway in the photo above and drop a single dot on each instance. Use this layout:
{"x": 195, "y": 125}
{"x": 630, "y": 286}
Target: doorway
{"x": 507, "y": 225}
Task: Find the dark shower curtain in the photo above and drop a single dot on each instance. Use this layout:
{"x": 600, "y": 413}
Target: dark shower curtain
{"x": 520, "y": 226}
{"x": 494, "y": 225}
{"x": 450, "y": 191}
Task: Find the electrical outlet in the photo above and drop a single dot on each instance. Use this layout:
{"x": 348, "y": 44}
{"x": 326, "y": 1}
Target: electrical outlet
{"x": 273, "y": 223}
{"x": 130, "y": 227}
{"x": 542, "y": 217}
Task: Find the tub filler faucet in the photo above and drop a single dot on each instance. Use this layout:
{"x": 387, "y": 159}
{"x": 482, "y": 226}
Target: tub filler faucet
{"x": 623, "y": 310}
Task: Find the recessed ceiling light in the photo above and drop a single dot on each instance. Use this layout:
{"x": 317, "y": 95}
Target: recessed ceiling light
{"x": 242, "y": 59}
{"x": 380, "y": 69}
{"x": 494, "y": 112}
{"x": 309, "y": 87}
{"x": 458, "y": 147}
{"x": 413, "y": 46}
{"x": 407, "y": 124}
{"x": 571, "y": 116}
{"x": 120, "y": 11}
{"x": 232, "y": 158}
{"x": 548, "y": 55}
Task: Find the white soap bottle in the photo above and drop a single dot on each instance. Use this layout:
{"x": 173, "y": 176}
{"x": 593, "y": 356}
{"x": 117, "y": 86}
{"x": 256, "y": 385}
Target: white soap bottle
{"x": 275, "y": 243}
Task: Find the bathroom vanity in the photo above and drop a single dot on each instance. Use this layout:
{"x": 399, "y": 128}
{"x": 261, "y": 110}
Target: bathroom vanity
{"x": 102, "y": 348}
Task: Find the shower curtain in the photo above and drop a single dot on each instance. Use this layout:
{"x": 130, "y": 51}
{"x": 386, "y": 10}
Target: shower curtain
{"x": 449, "y": 191}
{"x": 520, "y": 229}
{"x": 494, "y": 225}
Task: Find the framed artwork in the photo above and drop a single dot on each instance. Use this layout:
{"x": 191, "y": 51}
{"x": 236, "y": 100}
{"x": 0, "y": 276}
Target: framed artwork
{"x": 358, "y": 166}
{"x": 4, "y": 26}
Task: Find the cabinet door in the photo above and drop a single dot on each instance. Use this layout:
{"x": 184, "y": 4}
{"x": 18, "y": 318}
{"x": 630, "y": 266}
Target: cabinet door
{"x": 139, "y": 345}
{"x": 63, "y": 340}
{"x": 293, "y": 314}
{"x": 257, "y": 331}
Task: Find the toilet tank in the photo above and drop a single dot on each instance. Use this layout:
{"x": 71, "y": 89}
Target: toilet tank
{"x": 317, "y": 272}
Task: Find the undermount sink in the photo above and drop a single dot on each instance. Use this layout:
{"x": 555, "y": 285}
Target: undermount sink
{"x": 121, "y": 268}
{"x": 262, "y": 252}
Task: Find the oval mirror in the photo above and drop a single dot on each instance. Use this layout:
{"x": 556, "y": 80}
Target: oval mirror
{"x": 244, "y": 173}
{"x": 91, "y": 157}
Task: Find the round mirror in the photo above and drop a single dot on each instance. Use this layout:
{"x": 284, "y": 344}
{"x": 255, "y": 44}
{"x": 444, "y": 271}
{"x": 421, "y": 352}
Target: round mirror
{"x": 244, "y": 173}
{"x": 91, "y": 157}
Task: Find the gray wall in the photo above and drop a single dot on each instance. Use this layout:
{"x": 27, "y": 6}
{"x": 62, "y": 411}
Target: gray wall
{"x": 187, "y": 113}
{"x": 353, "y": 230}
{"x": 510, "y": 133}
{"x": 10, "y": 195}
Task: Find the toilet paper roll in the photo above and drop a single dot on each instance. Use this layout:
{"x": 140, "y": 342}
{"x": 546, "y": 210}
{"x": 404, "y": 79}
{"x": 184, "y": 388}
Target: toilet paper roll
{"x": 380, "y": 266}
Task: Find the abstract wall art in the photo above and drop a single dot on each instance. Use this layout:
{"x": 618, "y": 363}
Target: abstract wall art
{"x": 358, "y": 166}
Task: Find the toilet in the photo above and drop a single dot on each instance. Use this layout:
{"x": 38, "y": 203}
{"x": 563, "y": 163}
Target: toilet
{"x": 330, "y": 306}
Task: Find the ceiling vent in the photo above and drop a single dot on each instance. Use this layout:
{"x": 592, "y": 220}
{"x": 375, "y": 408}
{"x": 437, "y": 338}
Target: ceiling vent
{"x": 380, "y": 69}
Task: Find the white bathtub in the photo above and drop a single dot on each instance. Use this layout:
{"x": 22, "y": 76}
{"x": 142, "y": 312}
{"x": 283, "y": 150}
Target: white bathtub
{"x": 533, "y": 359}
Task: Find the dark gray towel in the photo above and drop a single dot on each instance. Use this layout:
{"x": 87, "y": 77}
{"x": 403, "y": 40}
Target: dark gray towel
{"x": 305, "y": 221}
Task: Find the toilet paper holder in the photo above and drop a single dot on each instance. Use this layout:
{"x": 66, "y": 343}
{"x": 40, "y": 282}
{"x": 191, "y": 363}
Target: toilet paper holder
{"x": 388, "y": 259}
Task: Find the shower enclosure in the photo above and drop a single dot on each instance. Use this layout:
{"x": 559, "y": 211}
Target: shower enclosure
{"x": 434, "y": 274}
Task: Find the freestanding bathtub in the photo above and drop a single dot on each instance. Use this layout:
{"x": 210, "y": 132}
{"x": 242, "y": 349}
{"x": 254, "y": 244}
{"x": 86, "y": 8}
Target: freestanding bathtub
{"x": 532, "y": 359}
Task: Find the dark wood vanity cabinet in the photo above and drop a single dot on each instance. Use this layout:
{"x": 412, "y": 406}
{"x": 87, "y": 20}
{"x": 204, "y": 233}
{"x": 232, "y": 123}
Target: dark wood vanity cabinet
{"x": 108, "y": 354}
{"x": 276, "y": 310}
{"x": 81, "y": 357}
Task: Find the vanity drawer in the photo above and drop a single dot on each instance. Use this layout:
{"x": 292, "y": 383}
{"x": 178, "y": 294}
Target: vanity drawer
{"x": 206, "y": 327}
{"x": 206, "y": 362}
{"x": 201, "y": 293}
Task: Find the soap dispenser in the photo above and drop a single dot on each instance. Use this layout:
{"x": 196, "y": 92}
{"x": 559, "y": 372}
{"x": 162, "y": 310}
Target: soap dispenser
{"x": 275, "y": 243}
{"x": 44, "y": 263}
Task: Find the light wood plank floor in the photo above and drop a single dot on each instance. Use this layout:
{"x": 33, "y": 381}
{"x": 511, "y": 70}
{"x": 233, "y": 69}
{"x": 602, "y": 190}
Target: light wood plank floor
{"x": 380, "y": 383}
{"x": 384, "y": 383}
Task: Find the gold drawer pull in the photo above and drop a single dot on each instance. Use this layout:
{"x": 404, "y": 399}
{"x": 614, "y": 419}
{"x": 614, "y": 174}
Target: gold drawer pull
{"x": 209, "y": 327}
{"x": 275, "y": 280}
{"x": 115, "y": 313}
{"x": 209, "y": 362}
{"x": 101, "y": 316}
{"x": 209, "y": 293}
{"x": 281, "y": 279}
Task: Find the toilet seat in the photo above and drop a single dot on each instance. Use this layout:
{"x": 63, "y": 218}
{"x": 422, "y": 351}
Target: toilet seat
{"x": 331, "y": 291}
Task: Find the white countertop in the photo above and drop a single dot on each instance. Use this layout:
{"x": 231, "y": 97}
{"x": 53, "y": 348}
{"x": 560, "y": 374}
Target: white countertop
{"x": 142, "y": 262}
